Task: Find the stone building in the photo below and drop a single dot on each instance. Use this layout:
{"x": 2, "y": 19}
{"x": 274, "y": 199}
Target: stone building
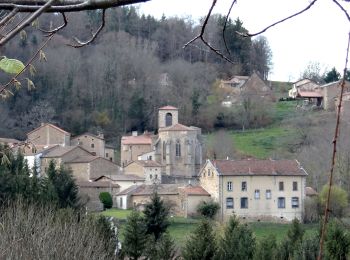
{"x": 256, "y": 189}
{"x": 151, "y": 171}
{"x": 331, "y": 92}
{"x": 49, "y": 134}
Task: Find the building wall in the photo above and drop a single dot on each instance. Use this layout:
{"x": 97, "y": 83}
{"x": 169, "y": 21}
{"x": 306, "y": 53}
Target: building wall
{"x": 162, "y": 115}
{"x": 94, "y": 145}
{"x": 109, "y": 154}
{"x": 49, "y": 135}
{"x": 92, "y": 195}
{"x": 129, "y": 153}
{"x": 44, "y": 164}
{"x": 135, "y": 169}
{"x": 192, "y": 203}
{"x": 100, "y": 166}
{"x": 331, "y": 93}
{"x": 263, "y": 208}
{"x": 210, "y": 182}
{"x": 185, "y": 165}
{"x": 121, "y": 202}
{"x": 152, "y": 175}
{"x": 172, "y": 200}
{"x": 81, "y": 171}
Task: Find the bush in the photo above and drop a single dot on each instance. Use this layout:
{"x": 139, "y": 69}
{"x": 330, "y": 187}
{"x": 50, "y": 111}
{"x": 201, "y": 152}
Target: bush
{"x": 106, "y": 200}
{"x": 338, "y": 200}
{"x": 208, "y": 209}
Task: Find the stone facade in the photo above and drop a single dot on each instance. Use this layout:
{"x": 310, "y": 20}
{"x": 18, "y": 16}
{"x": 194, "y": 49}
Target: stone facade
{"x": 151, "y": 171}
{"x": 48, "y": 134}
{"x": 331, "y": 92}
{"x": 256, "y": 189}
{"x": 92, "y": 143}
{"x": 134, "y": 146}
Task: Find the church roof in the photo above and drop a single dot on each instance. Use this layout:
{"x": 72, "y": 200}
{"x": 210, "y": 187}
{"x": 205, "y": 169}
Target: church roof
{"x": 168, "y": 108}
{"x": 176, "y": 127}
{"x": 140, "y": 139}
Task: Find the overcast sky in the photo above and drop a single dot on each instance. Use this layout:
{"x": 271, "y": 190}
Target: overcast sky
{"x": 319, "y": 35}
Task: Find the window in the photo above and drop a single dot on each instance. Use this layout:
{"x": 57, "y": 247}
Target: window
{"x": 257, "y": 194}
{"x": 295, "y": 185}
{"x": 150, "y": 176}
{"x": 156, "y": 176}
{"x": 295, "y": 202}
{"x": 281, "y": 185}
{"x": 121, "y": 202}
{"x": 281, "y": 202}
{"x": 168, "y": 119}
{"x": 178, "y": 149}
{"x": 164, "y": 151}
{"x": 106, "y": 154}
{"x": 92, "y": 145}
{"x": 244, "y": 186}
{"x": 244, "y": 203}
{"x": 208, "y": 172}
{"x": 229, "y": 186}
{"x": 229, "y": 203}
{"x": 150, "y": 157}
{"x": 268, "y": 194}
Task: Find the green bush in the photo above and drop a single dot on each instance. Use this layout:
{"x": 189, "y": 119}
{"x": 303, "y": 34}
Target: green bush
{"x": 208, "y": 209}
{"x": 106, "y": 200}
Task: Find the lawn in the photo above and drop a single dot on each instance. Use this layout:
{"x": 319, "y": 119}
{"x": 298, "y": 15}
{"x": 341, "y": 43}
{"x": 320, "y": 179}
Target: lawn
{"x": 260, "y": 143}
{"x": 180, "y": 228}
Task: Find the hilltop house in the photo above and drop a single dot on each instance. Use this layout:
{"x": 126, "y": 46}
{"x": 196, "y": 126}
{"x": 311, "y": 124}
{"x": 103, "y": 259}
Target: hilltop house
{"x": 256, "y": 189}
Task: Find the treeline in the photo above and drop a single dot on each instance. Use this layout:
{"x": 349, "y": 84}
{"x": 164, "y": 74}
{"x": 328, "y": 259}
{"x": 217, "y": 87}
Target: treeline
{"x": 136, "y": 65}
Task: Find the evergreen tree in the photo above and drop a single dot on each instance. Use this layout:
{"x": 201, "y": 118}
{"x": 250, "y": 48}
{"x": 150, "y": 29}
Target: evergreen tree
{"x": 238, "y": 242}
{"x": 156, "y": 216}
{"x": 163, "y": 249}
{"x": 208, "y": 209}
{"x": 266, "y": 249}
{"x": 337, "y": 242}
{"x": 135, "y": 237}
{"x": 202, "y": 243}
{"x": 332, "y": 75}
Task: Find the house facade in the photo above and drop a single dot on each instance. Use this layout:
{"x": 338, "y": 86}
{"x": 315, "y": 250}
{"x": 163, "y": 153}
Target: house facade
{"x": 256, "y": 189}
{"x": 49, "y": 134}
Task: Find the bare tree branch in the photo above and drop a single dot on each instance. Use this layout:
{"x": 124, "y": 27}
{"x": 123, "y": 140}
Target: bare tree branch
{"x": 278, "y": 22}
{"x": 49, "y": 32}
{"x": 342, "y": 8}
{"x": 94, "y": 35}
{"x": 8, "y": 84}
{"x": 224, "y": 29}
{"x": 200, "y": 36}
{"x": 20, "y": 27}
{"x": 65, "y": 5}
{"x": 9, "y": 16}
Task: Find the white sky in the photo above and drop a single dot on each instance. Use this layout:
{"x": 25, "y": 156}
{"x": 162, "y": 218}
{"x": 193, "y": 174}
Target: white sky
{"x": 319, "y": 35}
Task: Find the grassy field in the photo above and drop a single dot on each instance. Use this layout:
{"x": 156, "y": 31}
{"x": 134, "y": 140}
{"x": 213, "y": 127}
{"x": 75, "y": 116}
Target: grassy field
{"x": 181, "y": 228}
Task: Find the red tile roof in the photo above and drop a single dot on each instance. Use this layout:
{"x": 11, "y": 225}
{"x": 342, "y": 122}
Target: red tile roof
{"x": 195, "y": 190}
{"x": 309, "y": 94}
{"x": 176, "y": 127}
{"x": 140, "y": 139}
{"x": 256, "y": 167}
{"x": 168, "y": 108}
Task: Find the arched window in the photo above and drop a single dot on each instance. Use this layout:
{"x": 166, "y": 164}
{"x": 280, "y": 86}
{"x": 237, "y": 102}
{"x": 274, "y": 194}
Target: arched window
{"x": 164, "y": 150}
{"x": 178, "y": 148}
{"x": 168, "y": 119}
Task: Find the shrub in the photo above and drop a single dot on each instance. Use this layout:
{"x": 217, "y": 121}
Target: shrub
{"x": 208, "y": 209}
{"x": 338, "y": 200}
{"x": 106, "y": 200}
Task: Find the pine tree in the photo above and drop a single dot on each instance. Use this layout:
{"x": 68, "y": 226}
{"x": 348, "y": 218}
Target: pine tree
{"x": 156, "y": 216}
{"x": 266, "y": 249}
{"x": 202, "y": 243}
{"x": 337, "y": 243}
{"x": 135, "y": 237}
{"x": 238, "y": 242}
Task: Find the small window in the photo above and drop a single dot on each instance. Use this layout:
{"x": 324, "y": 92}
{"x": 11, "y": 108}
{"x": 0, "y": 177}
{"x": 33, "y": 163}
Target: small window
{"x": 178, "y": 149}
{"x": 281, "y": 186}
{"x": 92, "y": 145}
{"x": 106, "y": 154}
{"x": 121, "y": 202}
{"x": 295, "y": 185}
{"x": 208, "y": 172}
{"x": 150, "y": 176}
{"x": 257, "y": 194}
{"x": 156, "y": 176}
{"x": 281, "y": 202}
{"x": 229, "y": 203}
{"x": 244, "y": 203}
{"x": 268, "y": 194}
{"x": 244, "y": 186}
{"x": 229, "y": 186}
{"x": 295, "y": 202}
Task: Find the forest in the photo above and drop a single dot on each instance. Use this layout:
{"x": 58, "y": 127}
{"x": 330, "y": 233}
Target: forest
{"x": 136, "y": 65}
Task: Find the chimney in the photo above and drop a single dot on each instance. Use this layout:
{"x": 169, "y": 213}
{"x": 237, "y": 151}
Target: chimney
{"x": 42, "y": 124}
{"x": 134, "y": 133}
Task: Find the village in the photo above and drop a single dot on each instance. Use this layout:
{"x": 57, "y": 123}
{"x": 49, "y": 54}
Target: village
{"x": 172, "y": 162}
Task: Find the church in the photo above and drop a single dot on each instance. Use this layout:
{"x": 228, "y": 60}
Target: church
{"x": 177, "y": 149}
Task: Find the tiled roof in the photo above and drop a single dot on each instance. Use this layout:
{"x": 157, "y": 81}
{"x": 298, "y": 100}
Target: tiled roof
{"x": 51, "y": 125}
{"x": 43, "y": 149}
{"x": 176, "y": 127}
{"x": 97, "y": 184}
{"x": 88, "y": 134}
{"x": 148, "y": 163}
{"x": 168, "y": 108}
{"x": 140, "y": 139}
{"x": 310, "y": 191}
{"x": 84, "y": 159}
{"x": 146, "y": 190}
{"x": 59, "y": 151}
{"x": 121, "y": 177}
{"x": 195, "y": 190}
{"x": 254, "y": 167}
{"x": 309, "y": 94}
{"x": 9, "y": 141}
